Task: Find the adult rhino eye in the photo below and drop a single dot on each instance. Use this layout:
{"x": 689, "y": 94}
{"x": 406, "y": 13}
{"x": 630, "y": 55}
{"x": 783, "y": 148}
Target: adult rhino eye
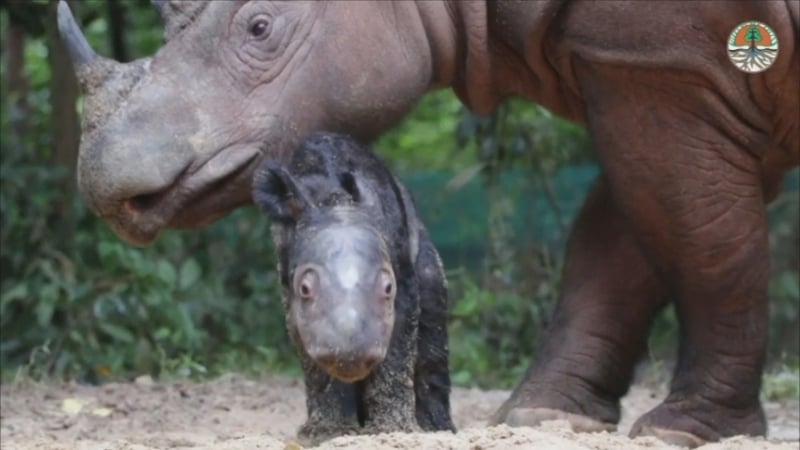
{"x": 259, "y": 28}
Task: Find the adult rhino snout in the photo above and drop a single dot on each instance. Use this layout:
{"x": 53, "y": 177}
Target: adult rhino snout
{"x": 148, "y": 167}
{"x": 143, "y": 165}
{"x": 107, "y": 84}
{"x": 125, "y": 179}
{"x": 142, "y": 184}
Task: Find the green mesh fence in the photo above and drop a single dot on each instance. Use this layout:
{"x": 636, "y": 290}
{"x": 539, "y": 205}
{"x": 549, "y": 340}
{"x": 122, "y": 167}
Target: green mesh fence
{"x": 457, "y": 218}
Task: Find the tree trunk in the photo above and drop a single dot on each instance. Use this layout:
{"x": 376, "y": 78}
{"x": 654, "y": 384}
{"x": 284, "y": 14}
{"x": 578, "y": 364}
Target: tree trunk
{"x": 64, "y": 122}
{"x": 116, "y": 30}
{"x": 16, "y": 83}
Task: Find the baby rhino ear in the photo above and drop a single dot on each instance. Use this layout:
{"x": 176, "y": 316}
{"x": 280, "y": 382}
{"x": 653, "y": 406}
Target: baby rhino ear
{"x": 276, "y": 192}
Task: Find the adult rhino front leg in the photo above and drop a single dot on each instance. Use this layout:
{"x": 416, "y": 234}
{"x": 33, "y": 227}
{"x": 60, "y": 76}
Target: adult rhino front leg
{"x": 599, "y": 329}
{"x": 686, "y": 171}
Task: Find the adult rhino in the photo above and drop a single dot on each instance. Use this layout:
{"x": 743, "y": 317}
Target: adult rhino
{"x": 692, "y": 149}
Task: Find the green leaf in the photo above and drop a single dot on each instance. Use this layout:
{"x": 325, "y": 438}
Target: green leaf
{"x": 44, "y": 312}
{"x": 790, "y": 284}
{"x": 17, "y": 292}
{"x": 189, "y": 274}
{"x": 462, "y": 378}
{"x": 116, "y": 332}
{"x": 166, "y": 271}
{"x": 106, "y": 250}
{"x": 465, "y": 307}
{"x": 162, "y": 333}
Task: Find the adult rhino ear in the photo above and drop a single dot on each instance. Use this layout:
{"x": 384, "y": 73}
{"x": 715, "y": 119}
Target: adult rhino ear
{"x": 177, "y": 14}
{"x": 277, "y": 193}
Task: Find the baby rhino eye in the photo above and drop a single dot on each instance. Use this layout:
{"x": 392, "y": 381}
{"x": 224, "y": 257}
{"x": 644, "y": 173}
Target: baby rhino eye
{"x": 386, "y": 284}
{"x": 259, "y": 28}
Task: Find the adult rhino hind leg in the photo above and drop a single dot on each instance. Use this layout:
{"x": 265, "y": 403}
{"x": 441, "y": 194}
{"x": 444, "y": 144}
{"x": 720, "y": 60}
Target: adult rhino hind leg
{"x": 599, "y": 329}
{"x": 685, "y": 170}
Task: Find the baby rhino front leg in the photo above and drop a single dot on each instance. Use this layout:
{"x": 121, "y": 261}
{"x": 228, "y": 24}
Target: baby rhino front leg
{"x": 332, "y": 406}
{"x": 389, "y": 391}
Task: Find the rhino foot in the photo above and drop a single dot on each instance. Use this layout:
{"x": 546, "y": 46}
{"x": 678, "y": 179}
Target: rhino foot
{"x": 519, "y": 417}
{"x": 672, "y": 437}
{"x": 692, "y": 423}
{"x": 384, "y": 427}
{"x": 312, "y": 434}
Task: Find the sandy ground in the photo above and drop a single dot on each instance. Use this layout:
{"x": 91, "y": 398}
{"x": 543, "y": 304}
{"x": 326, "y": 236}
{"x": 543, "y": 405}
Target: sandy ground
{"x": 233, "y": 412}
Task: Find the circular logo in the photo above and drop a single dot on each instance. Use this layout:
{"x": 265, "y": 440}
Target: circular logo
{"x": 753, "y": 47}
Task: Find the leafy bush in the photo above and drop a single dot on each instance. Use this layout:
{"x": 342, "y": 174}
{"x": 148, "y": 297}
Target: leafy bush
{"x": 192, "y": 303}
{"x": 494, "y": 333}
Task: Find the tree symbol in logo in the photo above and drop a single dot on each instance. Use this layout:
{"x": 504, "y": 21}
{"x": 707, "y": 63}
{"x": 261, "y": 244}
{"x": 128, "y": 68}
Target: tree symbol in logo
{"x": 753, "y": 47}
{"x": 753, "y": 35}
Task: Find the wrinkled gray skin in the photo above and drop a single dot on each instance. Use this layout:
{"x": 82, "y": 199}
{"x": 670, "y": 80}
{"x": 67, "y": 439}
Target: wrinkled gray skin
{"x": 691, "y": 148}
{"x": 365, "y": 292}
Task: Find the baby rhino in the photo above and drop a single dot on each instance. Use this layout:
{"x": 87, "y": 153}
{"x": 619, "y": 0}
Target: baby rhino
{"x": 365, "y": 294}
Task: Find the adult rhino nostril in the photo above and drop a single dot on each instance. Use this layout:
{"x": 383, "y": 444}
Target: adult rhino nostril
{"x": 143, "y": 202}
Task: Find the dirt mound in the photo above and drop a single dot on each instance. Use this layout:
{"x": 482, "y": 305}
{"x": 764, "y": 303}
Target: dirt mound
{"x": 233, "y": 412}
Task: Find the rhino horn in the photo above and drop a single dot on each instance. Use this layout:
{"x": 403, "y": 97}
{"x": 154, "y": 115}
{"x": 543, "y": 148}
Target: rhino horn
{"x": 80, "y": 52}
{"x": 104, "y": 80}
{"x": 91, "y": 69}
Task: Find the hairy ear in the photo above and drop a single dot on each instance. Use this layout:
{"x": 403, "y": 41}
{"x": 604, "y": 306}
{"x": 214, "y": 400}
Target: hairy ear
{"x": 276, "y": 192}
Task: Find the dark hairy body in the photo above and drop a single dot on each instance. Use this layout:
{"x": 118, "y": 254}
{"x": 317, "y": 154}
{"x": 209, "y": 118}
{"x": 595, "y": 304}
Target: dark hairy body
{"x": 366, "y": 295}
{"x": 691, "y": 151}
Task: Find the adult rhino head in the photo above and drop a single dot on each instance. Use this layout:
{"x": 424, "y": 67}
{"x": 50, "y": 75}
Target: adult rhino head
{"x": 172, "y": 140}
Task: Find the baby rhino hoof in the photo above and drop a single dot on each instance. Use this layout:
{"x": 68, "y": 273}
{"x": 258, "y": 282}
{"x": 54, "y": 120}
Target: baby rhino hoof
{"x": 311, "y": 435}
{"x": 521, "y": 417}
{"x": 380, "y": 428}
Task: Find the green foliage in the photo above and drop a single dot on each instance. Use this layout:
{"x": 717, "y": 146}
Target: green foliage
{"x": 424, "y": 140}
{"x": 493, "y": 332}
{"x": 782, "y": 384}
{"x": 523, "y": 135}
{"x": 105, "y": 309}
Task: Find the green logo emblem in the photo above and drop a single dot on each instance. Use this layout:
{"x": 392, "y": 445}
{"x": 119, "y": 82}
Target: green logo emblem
{"x": 753, "y": 47}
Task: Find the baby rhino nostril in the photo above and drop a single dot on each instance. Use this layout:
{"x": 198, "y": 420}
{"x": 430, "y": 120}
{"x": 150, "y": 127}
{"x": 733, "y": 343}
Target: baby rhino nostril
{"x": 306, "y": 283}
{"x": 326, "y": 359}
{"x": 373, "y": 357}
{"x": 371, "y": 360}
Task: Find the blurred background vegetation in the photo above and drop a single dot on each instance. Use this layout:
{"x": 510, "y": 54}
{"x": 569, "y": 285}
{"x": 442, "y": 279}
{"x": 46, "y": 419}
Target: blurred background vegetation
{"x": 497, "y": 193}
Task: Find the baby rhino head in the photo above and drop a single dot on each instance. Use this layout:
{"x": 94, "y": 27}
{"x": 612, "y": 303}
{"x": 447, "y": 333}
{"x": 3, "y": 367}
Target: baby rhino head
{"x": 342, "y": 297}
{"x": 338, "y": 274}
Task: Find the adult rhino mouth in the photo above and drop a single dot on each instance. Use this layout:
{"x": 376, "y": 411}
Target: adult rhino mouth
{"x": 195, "y": 198}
